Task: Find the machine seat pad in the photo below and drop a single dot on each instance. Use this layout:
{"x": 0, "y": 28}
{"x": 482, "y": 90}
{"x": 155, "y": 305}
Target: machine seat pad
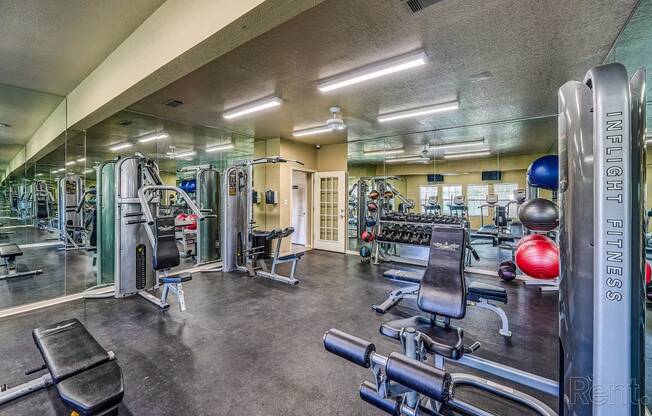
{"x": 94, "y": 391}
{"x": 292, "y": 256}
{"x": 179, "y": 278}
{"x": 10, "y": 250}
{"x": 438, "y": 339}
{"x": 477, "y": 290}
{"x": 68, "y": 349}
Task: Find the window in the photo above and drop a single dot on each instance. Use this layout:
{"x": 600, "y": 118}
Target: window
{"x": 505, "y": 192}
{"x": 426, "y": 192}
{"x": 476, "y": 195}
{"x": 449, "y": 192}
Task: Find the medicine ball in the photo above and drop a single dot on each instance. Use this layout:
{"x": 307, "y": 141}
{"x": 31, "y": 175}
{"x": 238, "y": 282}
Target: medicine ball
{"x": 532, "y": 237}
{"x": 374, "y": 195}
{"x": 648, "y": 273}
{"x": 368, "y": 236}
{"x": 365, "y": 252}
{"x": 544, "y": 173}
{"x": 389, "y": 194}
{"x": 538, "y": 259}
{"x": 193, "y": 219}
{"x": 180, "y": 218}
{"x": 507, "y": 271}
{"x": 370, "y": 221}
{"x": 372, "y": 207}
{"x": 539, "y": 214}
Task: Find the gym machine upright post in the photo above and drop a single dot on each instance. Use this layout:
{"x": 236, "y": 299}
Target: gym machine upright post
{"x": 239, "y": 253}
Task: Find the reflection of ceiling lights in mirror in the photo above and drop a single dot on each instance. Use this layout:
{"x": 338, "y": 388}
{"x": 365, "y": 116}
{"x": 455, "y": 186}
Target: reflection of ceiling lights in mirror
{"x": 420, "y": 111}
{"x": 219, "y": 147}
{"x": 457, "y": 145}
{"x": 4, "y": 124}
{"x": 89, "y": 171}
{"x": 39, "y": 174}
{"x": 466, "y": 155}
{"x": 252, "y": 107}
{"x": 311, "y": 131}
{"x": 58, "y": 170}
{"x": 185, "y": 154}
{"x": 81, "y": 160}
{"x": 376, "y": 70}
{"x": 408, "y": 159}
{"x": 70, "y": 163}
{"x": 150, "y": 137}
{"x": 120, "y": 146}
{"x": 381, "y": 152}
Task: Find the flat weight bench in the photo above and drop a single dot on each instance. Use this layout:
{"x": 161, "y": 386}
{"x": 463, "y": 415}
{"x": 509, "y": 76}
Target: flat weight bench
{"x": 86, "y": 376}
{"x": 481, "y": 295}
{"x": 8, "y": 253}
{"x": 278, "y": 235}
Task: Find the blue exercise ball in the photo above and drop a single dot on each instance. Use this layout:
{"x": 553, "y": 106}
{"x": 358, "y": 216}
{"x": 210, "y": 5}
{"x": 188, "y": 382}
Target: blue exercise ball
{"x": 184, "y": 185}
{"x": 544, "y": 173}
{"x": 192, "y": 186}
{"x": 365, "y": 252}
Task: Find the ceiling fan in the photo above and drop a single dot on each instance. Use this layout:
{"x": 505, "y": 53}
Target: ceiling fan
{"x": 333, "y": 124}
{"x": 183, "y": 154}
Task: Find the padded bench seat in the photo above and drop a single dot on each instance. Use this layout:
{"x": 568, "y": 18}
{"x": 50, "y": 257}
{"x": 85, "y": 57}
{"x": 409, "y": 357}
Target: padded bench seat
{"x": 86, "y": 377}
{"x": 178, "y": 278}
{"x": 292, "y": 256}
{"x": 10, "y": 250}
{"x": 477, "y": 291}
{"x": 446, "y": 341}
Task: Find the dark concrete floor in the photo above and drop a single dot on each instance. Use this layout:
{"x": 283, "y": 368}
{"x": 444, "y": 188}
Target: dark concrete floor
{"x": 253, "y": 347}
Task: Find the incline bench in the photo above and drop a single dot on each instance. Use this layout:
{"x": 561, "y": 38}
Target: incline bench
{"x": 86, "y": 376}
{"x": 8, "y": 253}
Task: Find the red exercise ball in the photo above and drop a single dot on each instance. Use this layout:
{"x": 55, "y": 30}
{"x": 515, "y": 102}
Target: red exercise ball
{"x": 193, "y": 224}
{"x": 180, "y": 218}
{"x": 532, "y": 237}
{"x": 368, "y": 236}
{"x": 538, "y": 259}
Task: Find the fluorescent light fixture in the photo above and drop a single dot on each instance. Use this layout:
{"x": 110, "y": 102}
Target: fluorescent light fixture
{"x": 219, "y": 147}
{"x": 407, "y": 159}
{"x": 420, "y": 111}
{"x": 252, "y": 107}
{"x": 311, "y": 131}
{"x": 83, "y": 159}
{"x": 457, "y": 145}
{"x": 57, "y": 170}
{"x": 383, "y": 152}
{"x": 152, "y": 136}
{"x": 467, "y": 155}
{"x": 70, "y": 163}
{"x": 376, "y": 70}
{"x": 120, "y": 146}
{"x": 39, "y": 174}
{"x": 185, "y": 154}
{"x": 89, "y": 170}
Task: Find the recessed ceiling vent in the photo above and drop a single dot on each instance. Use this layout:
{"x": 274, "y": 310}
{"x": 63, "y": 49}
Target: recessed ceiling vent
{"x": 418, "y": 5}
{"x": 173, "y": 103}
{"x": 125, "y": 123}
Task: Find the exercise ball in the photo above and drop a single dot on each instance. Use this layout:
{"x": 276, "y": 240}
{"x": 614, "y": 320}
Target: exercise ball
{"x": 539, "y": 214}
{"x": 538, "y": 259}
{"x": 544, "y": 173}
{"x": 389, "y": 194}
{"x": 370, "y": 221}
{"x": 191, "y": 187}
{"x": 365, "y": 252}
{"x": 648, "y": 273}
{"x": 507, "y": 271}
{"x": 372, "y": 207}
{"x": 374, "y": 195}
{"x": 532, "y": 237}
{"x": 180, "y": 218}
{"x": 368, "y": 236}
{"x": 193, "y": 222}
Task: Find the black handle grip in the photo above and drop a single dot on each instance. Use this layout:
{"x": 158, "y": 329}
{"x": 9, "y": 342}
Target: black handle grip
{"x": 418, "y": 376}
{"x": 135, "y": 222}
{"x": 347, "y": 346}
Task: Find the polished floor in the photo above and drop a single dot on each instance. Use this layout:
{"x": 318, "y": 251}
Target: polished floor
{"x": 247, "y": 346}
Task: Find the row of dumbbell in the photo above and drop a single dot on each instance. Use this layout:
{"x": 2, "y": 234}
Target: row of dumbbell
{"x": 422, "y": 218}
{"x": 408, "y": 234}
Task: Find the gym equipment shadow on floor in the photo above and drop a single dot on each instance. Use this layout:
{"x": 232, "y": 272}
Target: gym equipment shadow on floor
{"x": 248, "y": 346}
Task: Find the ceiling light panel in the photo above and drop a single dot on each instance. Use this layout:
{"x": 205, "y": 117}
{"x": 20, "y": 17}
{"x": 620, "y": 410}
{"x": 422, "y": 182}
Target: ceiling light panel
{"x": 420, "y": 111}
{"x": 457, "y": 145}
{"x": 311, "y": 131}
{"x": 252, "y": 107}
{"x": 152, "y": 137}
{"x": 120, "y": 146}
{"x": 219, "y": 147}
{"x": 383, "y": 152}
{"x": 467, "y": 155}
{"x": 408, "y": 159}
{"x": 376, "y": 70}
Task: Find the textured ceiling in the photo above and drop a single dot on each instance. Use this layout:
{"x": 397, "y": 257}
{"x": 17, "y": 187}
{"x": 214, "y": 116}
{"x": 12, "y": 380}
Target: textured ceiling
{"x": 51, "y": 46}
{"x": 502, "y": 59}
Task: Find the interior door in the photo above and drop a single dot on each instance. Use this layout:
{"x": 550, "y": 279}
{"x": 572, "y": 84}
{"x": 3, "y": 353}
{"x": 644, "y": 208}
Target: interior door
{"x": 299, "y": 214}
{"x": 329, "y": 218}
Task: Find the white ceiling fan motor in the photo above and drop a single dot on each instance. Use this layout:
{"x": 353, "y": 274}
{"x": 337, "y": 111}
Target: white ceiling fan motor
{"x": 335, "y": 122}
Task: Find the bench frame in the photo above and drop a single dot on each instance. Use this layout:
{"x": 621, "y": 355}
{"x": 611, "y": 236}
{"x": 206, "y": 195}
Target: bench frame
{"x": 9, "y": 264}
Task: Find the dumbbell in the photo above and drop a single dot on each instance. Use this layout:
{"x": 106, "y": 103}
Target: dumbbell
{"x": 419, "y": 229}
{"x": 425, "y": 240}
{"x": 414, "y": 239}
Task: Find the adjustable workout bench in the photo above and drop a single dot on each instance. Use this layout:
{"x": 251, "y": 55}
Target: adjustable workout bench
{"x": 403, "y": 383}
{"x": 86, "y": 376}
{"x": 481, "y": 295}
{"x": 8, "y": 253}
{"x": 278, "y": 235}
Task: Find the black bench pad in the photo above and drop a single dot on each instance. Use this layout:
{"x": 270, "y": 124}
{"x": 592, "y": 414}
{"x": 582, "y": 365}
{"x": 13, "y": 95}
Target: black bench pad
{"x": 179, "y": 278}
{"x": 68, "y": 349}
{"x": 10, "y": 250}
{"x": 94, "y": 391}
{"x": 477, "y": 290}
{"x": 446, "y": 341}
{"x": 292, "y": 256}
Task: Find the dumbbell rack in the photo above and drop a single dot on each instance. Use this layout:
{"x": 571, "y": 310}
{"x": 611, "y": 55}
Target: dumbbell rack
{"x": 378, "y": 256}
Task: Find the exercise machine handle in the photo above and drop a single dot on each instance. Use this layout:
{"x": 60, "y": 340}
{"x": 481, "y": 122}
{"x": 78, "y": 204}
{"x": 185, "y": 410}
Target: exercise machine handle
{"x": 349, "y": 347}
{"x": 150, "y": 188}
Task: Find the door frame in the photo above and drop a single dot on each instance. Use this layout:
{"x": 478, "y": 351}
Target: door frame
{"x": 310, "y": 197}
{"x": 339, "y": 246}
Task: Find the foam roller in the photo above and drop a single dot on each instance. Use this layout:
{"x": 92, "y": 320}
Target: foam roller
{"x": 347, "y": 346}
{"x": 418, "y": 376}
{"x": 369, "y": 394}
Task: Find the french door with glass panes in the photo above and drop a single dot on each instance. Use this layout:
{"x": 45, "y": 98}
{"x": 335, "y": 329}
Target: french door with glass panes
{"x": 329, "y": 214}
